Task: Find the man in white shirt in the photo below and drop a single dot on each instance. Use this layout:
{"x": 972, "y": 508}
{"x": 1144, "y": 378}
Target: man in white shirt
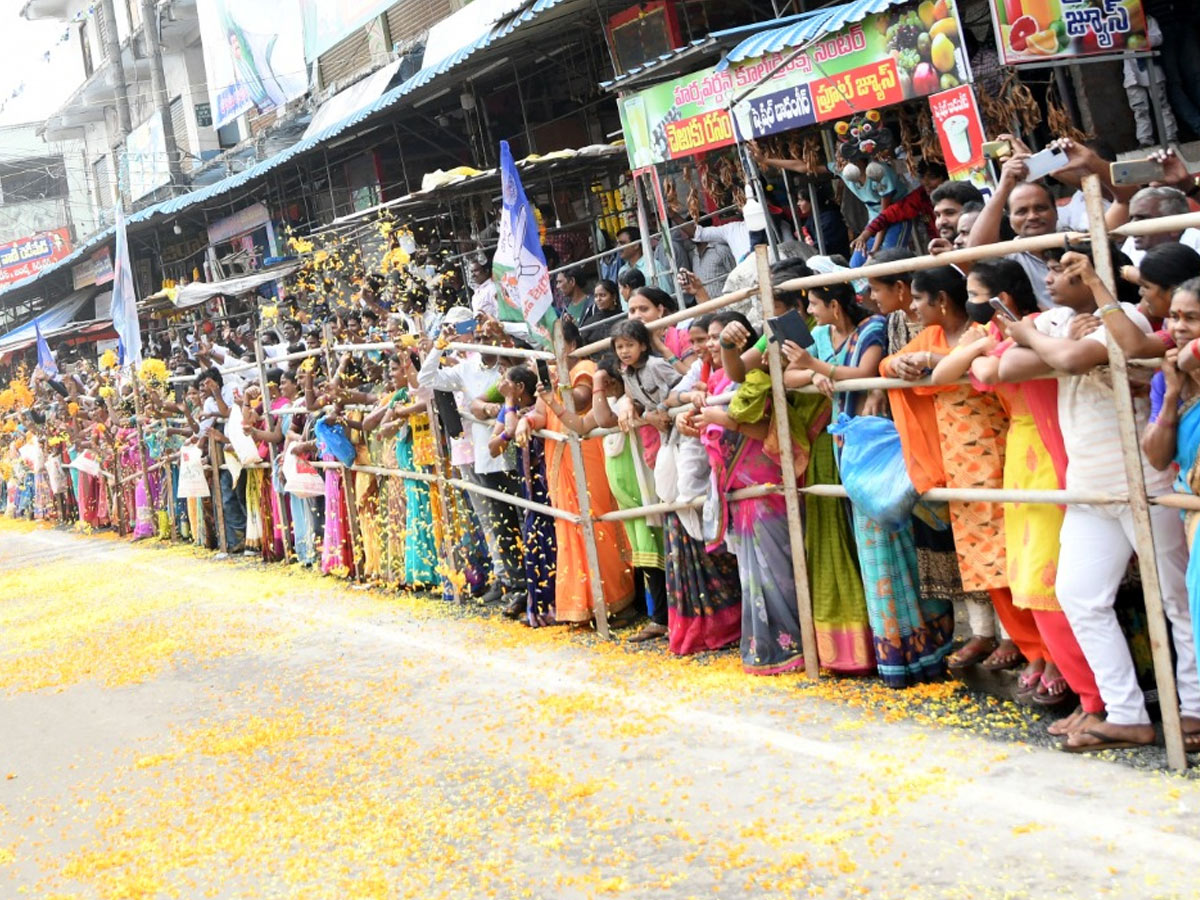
{"x": 1097, "y": 542}
{"x": 1155, "y": 203}
{"x": 474, "y": 376}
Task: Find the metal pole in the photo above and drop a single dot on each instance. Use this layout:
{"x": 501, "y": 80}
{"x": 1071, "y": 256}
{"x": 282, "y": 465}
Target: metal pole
{"x": 575, "y": 448}
{"x": 791, "y": 495}
{"x": 1160, "y": 641}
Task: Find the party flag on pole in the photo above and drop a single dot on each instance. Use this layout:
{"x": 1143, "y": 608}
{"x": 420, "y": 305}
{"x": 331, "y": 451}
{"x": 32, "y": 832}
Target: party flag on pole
{"x": 45, "y": 358}
{"x": 519, "y": 265}
{"x": 124, "y": 300}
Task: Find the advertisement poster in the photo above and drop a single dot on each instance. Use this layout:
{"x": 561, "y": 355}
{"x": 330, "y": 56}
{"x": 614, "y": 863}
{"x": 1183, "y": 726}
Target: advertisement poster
{"x": 28, "y": 256}
{"x": 1041, "y": 31}
{"x": 325, "y": 23}
{"x": 960, "y": 133}
{"x": 903, "y": 53}
{"x": 96, "y": 269}
{"x": 146, "y": 150}
{"x": 253, "y": 55}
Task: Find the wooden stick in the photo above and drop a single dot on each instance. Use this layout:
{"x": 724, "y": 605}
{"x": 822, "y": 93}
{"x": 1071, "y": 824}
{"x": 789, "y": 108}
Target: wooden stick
{"x": 575, "y": 448}
{"x": 285, "y": 523}
{"x": 141, "y": 455}
{"x": 791, "y": 496}
{"x": 1160, "y": 641}
{"x": 217, "y": 500}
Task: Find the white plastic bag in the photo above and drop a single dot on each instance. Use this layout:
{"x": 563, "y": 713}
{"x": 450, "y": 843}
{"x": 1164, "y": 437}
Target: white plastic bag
{"x": 192, "y": 482}
{"x": 243, "y": 445}
{"x": 31, "y": 452}
{"x": 300, "y": 478}
{"x": 87, "y": 463}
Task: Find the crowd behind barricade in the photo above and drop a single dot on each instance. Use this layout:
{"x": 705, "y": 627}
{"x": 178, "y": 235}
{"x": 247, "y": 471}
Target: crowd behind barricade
{"x": 408, "y": 441}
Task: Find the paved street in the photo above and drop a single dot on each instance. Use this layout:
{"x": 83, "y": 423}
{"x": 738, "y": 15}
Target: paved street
{"x": 175, "y": 726}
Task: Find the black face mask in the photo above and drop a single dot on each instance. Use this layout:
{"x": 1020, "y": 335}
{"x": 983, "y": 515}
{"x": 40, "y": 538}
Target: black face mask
{"x": 980, "y": 313}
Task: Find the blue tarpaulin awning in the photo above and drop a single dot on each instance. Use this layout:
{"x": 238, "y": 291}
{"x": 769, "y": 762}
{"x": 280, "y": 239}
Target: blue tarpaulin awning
{"x": 54, "y": 318}
{"x": 775, "y": 38}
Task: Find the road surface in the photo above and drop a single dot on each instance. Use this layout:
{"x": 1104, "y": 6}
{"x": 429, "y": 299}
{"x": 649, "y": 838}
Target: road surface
{"x": 176, "y": 726}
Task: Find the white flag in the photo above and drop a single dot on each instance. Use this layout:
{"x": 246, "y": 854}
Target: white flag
{"x": 124, "y": 300}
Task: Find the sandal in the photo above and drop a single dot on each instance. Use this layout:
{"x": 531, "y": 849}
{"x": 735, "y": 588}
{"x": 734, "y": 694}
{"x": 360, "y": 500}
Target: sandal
{"x": 649, "y": 632}
{"x": 1003, "y": 658}
{"x": 1052, "y": 692}
{"x": 968, "y": 655}
{"x": 1102, "y": 742}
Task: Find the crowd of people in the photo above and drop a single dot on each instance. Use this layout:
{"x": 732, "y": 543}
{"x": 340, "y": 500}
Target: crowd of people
{"x": 401, "y": 465}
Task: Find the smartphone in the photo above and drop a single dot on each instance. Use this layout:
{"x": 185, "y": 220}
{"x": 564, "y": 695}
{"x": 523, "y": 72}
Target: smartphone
{"x": 997, "y": 149}
{"x": 1136, "y": 171}
{"x": 791, "y": 326}
{"x": 543, "y": 374}
{"x": 467, "y": 327}
{"x": 998, "y": 305}
{"x": 1044, "y": 162}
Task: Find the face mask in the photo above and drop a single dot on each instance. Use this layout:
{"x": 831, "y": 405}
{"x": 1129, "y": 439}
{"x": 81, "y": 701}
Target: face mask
{"x": 980, "y": 313}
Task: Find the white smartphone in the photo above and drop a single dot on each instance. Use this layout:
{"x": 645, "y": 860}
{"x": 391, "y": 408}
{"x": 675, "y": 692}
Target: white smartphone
{"x": 1044, "y": 162}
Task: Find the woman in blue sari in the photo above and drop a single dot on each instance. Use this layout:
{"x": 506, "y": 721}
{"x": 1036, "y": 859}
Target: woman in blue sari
{"x": 1173, "y": 435}
{"x": 911, "y": 635}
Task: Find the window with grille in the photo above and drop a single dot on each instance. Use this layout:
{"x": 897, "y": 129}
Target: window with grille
{"x": 183, "y": 144}
{"x": 102, "y": 178}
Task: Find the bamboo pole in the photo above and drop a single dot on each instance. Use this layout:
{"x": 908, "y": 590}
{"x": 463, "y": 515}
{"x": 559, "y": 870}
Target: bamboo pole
{"x": 1160, "y": 641}
{"x": 141, "y": 455}
{"x": 575, "y": 448}
{"x": 551, "y": 511}
{"x": 451, "y": 516}
{"x": 173, "y": 525}
{"x": 118, "y": 492}
{"x": 217, "y": 500}
{"x": 791, "y": 496}
{"x": 285, "y": 518}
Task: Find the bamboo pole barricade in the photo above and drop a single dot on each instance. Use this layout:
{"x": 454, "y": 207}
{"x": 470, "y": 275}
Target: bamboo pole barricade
{"x": 444, "y": 481}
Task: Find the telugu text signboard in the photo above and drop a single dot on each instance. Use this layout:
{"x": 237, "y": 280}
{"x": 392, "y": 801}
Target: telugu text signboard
{"x": 901, "y": 54}
{"x": 959, "y": 129}
{"x": 1041, "y": 31}
{"x": 29, "y": 255}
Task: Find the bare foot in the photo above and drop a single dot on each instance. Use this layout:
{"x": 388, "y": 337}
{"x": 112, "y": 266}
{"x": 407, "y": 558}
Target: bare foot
{"x": 973, "y": 651}
{"x": 1076, "y": 720}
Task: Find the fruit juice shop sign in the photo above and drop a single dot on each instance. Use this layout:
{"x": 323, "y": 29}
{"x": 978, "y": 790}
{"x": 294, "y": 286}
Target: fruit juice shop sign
{"x": 900, "y": 54}
{"x": 1041, "y": 31}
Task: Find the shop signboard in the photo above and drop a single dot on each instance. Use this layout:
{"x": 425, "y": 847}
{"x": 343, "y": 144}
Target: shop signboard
{"x": 1041, "y": 31}
{"x": 903, "y": 53}
{"x": 96, "y": 269}
{"x": 326, "y": 23}
{"x": 253, "y": 55}
{"x": 29, "y": 255}
{"x": 960, "y": 132}
{"x": 244, "y": 220}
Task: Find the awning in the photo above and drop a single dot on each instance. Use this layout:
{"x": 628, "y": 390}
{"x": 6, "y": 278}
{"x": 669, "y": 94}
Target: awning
{"x": 352, "y": 99}
{"x": 69, "y": 335}
{"x": 199, "y": 291}
{"x": 54, "y": 318}
{"x": 776, "y": 37}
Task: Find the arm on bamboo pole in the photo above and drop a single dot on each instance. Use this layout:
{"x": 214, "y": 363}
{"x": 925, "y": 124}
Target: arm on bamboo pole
{"x": 285, "y": 524}
{"x": 575, "y": 448}
{"x": 808, "y": 634}
{"x": 1160, "y": 642}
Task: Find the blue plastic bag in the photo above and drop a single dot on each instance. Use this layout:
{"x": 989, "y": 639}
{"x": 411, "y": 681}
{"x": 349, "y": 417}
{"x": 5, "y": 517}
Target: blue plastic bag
{"x": 873, "y": 470}
{"x": 332, "y": 441}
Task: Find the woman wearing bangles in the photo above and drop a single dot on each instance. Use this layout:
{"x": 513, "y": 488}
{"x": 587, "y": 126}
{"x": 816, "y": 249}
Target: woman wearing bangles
{"x": 573, "y": 575}
{"x": 1173, "y": 435}
{"x": 961, "y": 445}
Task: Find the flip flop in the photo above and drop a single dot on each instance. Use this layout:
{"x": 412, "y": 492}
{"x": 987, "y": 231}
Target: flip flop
{"x": 1055, "y": 691}
{"x": 957, "y": 660}
{"x": 1107, "y": 742}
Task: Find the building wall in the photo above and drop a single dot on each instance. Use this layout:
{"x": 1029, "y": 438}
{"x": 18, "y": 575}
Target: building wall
{"x": 23, "y": 218}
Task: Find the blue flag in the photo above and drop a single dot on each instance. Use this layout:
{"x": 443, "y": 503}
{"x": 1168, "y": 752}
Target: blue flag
{"x": 124, "y": 301}
{"x": 45, "y": 358}
{"x": 519, "y": 265}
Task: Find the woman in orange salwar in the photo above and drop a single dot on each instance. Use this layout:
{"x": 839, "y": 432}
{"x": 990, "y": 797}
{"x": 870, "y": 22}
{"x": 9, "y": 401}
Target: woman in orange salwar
{"x": 963, "y": 446}
{"x": 573, "y": 582}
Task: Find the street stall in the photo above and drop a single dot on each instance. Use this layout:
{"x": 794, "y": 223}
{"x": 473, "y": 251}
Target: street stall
{"x": 885, "y": 72}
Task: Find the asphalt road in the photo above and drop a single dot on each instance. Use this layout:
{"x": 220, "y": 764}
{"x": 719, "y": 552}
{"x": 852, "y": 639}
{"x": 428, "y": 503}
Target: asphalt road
{"x": 174, "y": 726}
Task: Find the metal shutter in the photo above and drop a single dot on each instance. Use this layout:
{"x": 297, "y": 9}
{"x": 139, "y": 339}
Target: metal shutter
{"x": 407, "y": 20}
{"x": 182, "y": 142}
{"x": 351, "y": 55}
